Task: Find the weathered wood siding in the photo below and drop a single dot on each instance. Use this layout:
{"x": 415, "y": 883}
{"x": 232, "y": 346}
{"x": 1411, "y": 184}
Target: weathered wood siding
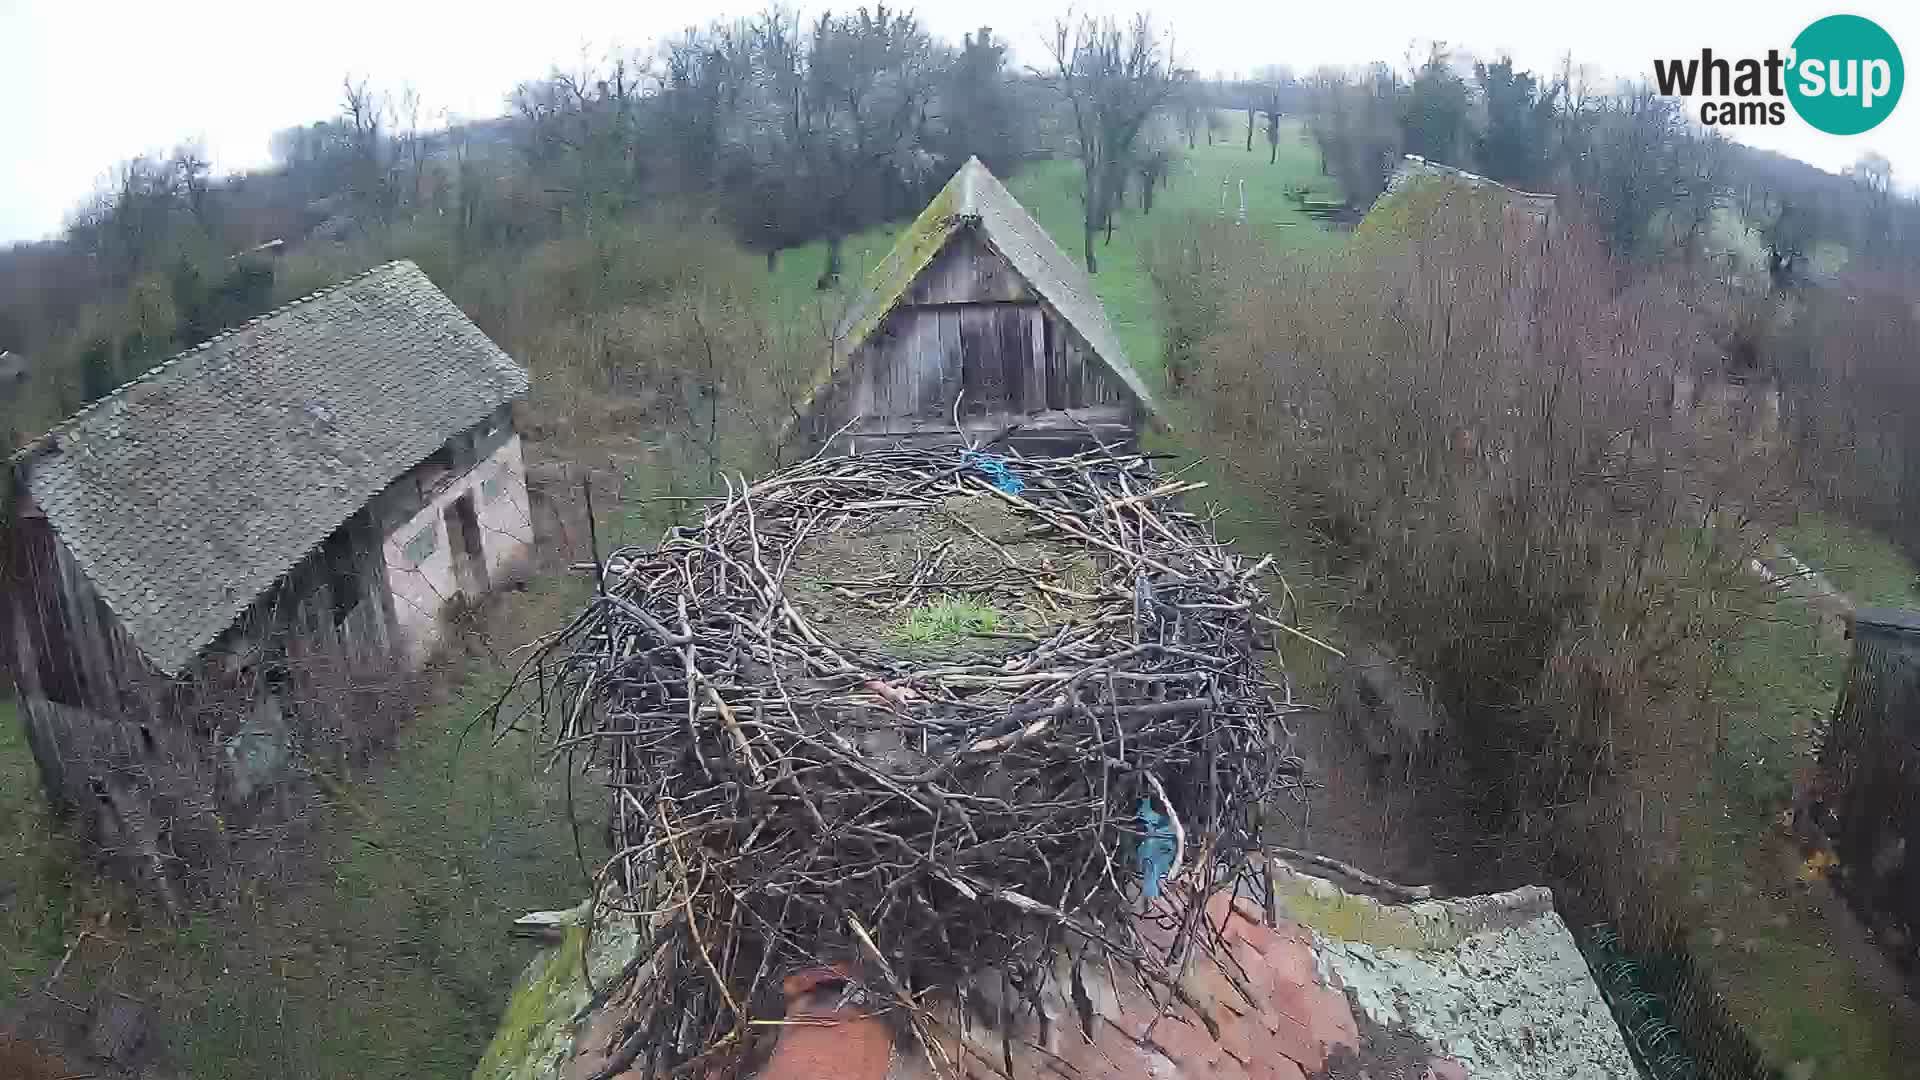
{"x": 1871, "y": 761}
{"x": 969, "y": 329}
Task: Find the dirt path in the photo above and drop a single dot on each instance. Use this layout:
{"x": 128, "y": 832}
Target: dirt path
{"x": 1793, "y": 577}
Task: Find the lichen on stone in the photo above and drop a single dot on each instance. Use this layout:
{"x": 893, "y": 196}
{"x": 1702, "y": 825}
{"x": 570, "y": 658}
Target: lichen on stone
{"x": 536, "y": 1034}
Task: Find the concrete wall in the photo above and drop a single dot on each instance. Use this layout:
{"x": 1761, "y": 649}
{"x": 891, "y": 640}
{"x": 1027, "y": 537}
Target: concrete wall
{"x": 506, "y": 517}
{"x": 420, "y": 556}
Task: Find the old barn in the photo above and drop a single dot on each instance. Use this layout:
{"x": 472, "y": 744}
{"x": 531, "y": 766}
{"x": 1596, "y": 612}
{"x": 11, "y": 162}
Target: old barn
{"x": 977, "y": 325}
{"x": 216, "y": 571}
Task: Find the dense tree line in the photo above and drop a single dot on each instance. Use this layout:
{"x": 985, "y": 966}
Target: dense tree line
{"x": 787, "y": 131}
{"x": 782, "y": 130}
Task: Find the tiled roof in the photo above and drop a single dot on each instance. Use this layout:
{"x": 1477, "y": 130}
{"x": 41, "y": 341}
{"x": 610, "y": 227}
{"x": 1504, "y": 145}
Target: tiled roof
{"x": 975, "y": 198}
{"x": 1487, "y": 988}
{"x": 186, "y": 493}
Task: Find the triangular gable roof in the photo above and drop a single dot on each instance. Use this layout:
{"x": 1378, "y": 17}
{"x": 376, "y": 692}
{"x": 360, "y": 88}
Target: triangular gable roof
{"x": 976, "y": 199}
{"x": 188, "y": 492}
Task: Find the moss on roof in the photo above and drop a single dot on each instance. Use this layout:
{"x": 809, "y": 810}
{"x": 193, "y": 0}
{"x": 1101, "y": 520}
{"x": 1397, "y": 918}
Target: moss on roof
{"x": 1420, "y": 189}
{"x": 911, "y": 253}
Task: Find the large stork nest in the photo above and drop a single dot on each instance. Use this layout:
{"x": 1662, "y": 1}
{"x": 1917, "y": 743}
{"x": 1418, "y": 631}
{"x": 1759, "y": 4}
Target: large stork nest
{"x": 917, "y": 714}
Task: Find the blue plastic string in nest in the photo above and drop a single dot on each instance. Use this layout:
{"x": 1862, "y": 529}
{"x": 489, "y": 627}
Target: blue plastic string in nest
{"x": 995, "y": 469}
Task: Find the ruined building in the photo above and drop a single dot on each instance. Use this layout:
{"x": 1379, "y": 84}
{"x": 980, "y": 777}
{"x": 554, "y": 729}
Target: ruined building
{"x": 213, "y": 571}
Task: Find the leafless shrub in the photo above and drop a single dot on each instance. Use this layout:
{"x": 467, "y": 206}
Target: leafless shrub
{"x": 201, "y": 810}
{"x": 1481, "y": 419}
{"x": 1200, "y": 264}
{"x": 1852, "y": 400}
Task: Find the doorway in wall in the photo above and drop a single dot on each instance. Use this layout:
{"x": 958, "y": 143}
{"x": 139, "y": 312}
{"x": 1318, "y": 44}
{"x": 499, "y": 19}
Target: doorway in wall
{"x": 463, "y": 540}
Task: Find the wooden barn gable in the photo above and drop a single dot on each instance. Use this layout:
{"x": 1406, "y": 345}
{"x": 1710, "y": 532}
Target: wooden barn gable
{"x": 976, "y": 325}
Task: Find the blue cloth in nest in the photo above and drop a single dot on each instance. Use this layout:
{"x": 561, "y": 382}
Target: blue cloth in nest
{"x": 1156, "y": 849}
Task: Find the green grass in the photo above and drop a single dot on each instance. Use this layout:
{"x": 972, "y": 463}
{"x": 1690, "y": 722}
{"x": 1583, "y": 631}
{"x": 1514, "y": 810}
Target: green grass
{"x": 36, "y": 869}
{"x": 948, "y": 621}
{"x": 1779, "y": 679}
{"x": 1866, "y": 566}
{"x": 1766, "y": 938}
{"x": 386, "y": 955}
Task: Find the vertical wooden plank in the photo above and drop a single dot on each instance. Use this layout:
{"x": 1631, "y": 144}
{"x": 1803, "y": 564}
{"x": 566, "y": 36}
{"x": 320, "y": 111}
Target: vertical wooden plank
{"x": 980, "y": 346}
{"x": 1005, "y": 367}
{"x": 899, "y": 351}
{"x": 1006, "y": 350}
{"x": 952, "y": 363}
{"x": 1033, "y": 327}
{"x": 860, "y": 400}
{"x": 1072, "y": 390}
{"x": 929, "y": 364}
{"x": 1055, "y": 361}
{"x": 972, "y": 374}
{"x": 1010, "y": 329}
{"x": 902, "y": 353}
{"x": 893, "y": 385}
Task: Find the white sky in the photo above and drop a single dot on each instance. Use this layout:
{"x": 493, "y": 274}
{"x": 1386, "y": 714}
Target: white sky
{"x": 87, "y": 85}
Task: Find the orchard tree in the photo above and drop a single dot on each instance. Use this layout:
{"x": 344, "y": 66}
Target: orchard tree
{"x": 1113, "y": 80}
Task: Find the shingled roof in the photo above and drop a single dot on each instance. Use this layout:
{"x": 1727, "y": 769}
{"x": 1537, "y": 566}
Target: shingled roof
{"x": 976, "y": 199}
{"x": 188, "y": 492}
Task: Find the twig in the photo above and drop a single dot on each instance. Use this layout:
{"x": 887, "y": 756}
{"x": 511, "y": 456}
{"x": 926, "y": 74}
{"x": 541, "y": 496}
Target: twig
{"x": 1404, "y": 892}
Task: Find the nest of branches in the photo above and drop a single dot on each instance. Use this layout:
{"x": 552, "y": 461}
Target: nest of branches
{"x": 785, "y": 798}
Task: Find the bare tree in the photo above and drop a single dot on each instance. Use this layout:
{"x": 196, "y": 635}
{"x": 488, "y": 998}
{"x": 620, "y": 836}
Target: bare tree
{"x": 363, "y": 111}
{"x": 412, "y": 143}
{"x": 1271, "y": 92}
{"x": 1194, "y": 105}
{"x": 1872, "y": 175}
{"x": 581, "y": 132}
{"x": 1113, "y": 80}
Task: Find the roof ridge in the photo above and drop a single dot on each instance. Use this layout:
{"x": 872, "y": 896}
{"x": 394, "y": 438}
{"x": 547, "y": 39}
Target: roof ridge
{"x": 969, "y": 205}
{"x": 38, "y": 443}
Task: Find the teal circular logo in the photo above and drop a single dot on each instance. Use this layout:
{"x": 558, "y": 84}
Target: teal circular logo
{"x": 1846, "y": 74}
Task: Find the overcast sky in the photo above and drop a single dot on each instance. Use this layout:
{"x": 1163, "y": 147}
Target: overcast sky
{"x": 87, "y": 85}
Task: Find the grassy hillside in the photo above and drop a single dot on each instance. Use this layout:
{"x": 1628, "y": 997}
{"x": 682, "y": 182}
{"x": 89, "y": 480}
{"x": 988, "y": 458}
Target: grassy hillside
{"x": 36, "y": 871}
{"x": 1797, "y": 973}
{"x": 1866, "y": 566}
